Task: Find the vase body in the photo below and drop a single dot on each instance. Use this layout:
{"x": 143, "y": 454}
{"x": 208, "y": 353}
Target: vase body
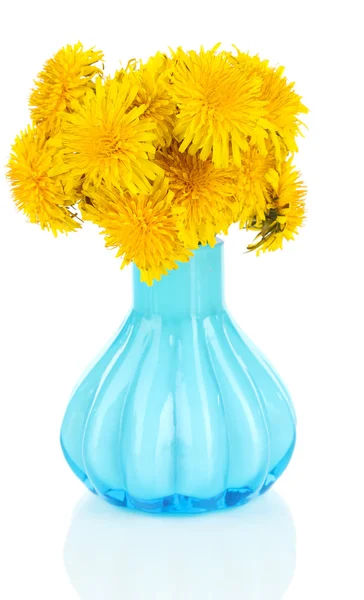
{"x": 181, "y": 413}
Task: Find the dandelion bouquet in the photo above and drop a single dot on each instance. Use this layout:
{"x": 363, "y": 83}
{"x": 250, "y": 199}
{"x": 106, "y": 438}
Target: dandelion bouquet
{"x": 162, "y": 156}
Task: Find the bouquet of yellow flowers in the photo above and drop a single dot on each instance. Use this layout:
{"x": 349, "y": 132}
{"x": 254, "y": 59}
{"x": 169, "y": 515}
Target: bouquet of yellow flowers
{"x": 162, "y": 156}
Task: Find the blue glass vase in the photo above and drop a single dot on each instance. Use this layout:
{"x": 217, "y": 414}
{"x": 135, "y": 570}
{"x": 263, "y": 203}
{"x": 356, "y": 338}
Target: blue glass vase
{"x": 181, "y": 413}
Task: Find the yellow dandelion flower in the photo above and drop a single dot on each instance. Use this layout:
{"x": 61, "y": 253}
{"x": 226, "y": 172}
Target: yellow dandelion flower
{"x": 286, "y": 211}
{"x": 219, "y": 107}
{"x": 44, "y": 199}
{"x": 254, "y": 187}
{"x": 282, "y": 103}
{"x": 105, "y": 141}
{"x": 142, "y": 227}
{"x": 283, "y": 106}
{"x": 64, "y": 81}
{"x": 204, "y": 196}
{"x": 153, "y": 81}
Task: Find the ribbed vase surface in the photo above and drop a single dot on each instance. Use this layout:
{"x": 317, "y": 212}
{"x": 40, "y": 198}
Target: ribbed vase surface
{"x": 181, "y": 413}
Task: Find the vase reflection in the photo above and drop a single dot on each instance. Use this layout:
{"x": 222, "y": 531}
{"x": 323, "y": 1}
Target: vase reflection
{"x": 248, "y": 552}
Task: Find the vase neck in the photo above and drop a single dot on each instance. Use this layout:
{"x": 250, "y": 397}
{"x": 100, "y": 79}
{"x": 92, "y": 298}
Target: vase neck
{"x": 196, "y": 287}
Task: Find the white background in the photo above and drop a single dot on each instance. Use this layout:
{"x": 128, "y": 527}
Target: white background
{"x": 61, "y": 299}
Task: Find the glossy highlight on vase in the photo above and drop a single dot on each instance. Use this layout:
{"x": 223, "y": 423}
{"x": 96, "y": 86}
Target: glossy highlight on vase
{"x": 181, "y": 413}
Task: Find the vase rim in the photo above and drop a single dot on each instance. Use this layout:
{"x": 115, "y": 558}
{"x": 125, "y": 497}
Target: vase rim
{"x": 208, "y": 247}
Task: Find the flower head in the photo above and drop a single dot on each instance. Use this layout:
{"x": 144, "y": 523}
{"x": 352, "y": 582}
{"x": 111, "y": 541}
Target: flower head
{"x": 286, "y": 211}
{"x": 204, "y": 196}
{"x": 45, "y": 199}
{"x": 62, "y": 84}
{"x": 283, "y": 104}
{"x": 143, "y": 228}
{"x": 254, "y": 187}
{"x": 219, "y": 106}
{"x": 153, "y": 82}
{"x": 104, "y": 141}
